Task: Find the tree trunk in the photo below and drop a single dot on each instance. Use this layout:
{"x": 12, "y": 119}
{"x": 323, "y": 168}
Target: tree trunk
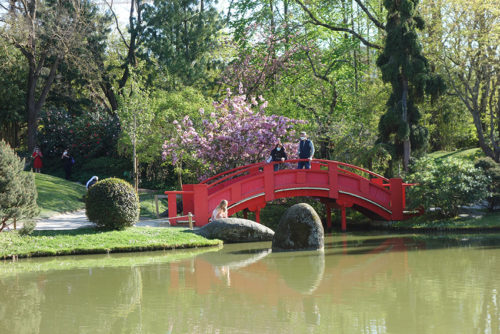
{"x": 134, "y": 153}
{"x": 355, "y": 55}
{"x": 476, "y": 117}
{"x": 406, "y": 141}
{"x": 179, "y": 175}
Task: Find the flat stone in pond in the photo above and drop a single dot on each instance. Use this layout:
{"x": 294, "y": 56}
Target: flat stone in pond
{"x": 233, "y": 230}
{"x": 300, "y": 228}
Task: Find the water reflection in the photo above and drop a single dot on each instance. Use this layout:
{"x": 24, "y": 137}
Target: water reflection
{"x": 360, "y": 283}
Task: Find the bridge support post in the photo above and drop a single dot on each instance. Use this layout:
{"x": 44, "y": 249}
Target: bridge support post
{"x": 200, "y": 197}
{"x": 328, "y": 216}
{"x": 397, "y": 193}
{"x": 343, "y": 219}
{"x": 257, "y": 215}
{"x": 172, "y": 205}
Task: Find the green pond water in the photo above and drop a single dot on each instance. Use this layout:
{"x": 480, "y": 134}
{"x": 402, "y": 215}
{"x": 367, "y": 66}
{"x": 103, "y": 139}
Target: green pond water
{"x": 361, "y": 283}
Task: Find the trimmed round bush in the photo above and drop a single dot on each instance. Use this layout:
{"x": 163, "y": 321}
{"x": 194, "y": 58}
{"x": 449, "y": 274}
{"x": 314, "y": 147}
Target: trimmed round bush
{"x": 112, "y": 204}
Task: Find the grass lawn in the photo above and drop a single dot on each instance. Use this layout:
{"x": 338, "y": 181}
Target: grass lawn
{"x": 56, "y": 195}
{"x": 485, "y": 221}
{"x": 466, "y": 154}
{"x": 92, "y": 241}
{"x": 148, "y": 206}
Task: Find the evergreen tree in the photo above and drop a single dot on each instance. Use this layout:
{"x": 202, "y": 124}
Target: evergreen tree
{"x": 17, "y": 188}
{"x": 180, "y": 33}
{"x": 404, "y": 66}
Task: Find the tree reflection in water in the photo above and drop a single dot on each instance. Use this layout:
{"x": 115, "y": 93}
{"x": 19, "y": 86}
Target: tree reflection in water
{"x": 358, "y": 284}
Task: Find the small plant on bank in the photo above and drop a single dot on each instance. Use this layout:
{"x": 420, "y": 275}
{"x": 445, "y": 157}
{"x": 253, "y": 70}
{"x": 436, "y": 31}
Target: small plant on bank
{"x": 112, "y": 204}
{"x": 17, "y": 188}
{"x": 447, "y": 185}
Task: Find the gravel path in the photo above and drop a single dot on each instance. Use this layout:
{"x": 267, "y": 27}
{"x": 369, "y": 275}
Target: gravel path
{"x": 78, "y": 219}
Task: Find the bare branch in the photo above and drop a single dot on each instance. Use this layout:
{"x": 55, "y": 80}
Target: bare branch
{"x": 315, "y": 21}
{"x": 370, "y": 16}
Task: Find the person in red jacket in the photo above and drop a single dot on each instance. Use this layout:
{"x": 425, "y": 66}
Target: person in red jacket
{"x": 37, "y": 163}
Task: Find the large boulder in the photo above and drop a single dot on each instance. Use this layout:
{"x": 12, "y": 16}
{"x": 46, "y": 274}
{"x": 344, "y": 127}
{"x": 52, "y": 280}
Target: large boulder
{"x": 232, "y": 230}
{"x": 300, "y": 228}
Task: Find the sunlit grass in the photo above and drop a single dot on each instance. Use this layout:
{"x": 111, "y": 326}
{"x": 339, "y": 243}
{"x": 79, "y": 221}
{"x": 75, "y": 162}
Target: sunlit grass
{"x": 486, "y": 221}
{"x": 93, "y": 241}
{"x": 148, "y": 205}
{"x": 56, "y": 195}
{"x": 468, "y": 154}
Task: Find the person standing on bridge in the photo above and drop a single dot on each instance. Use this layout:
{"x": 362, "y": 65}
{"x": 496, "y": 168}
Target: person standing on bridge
{"x": 278, "y": 154}
{"x": 306, "y": 151}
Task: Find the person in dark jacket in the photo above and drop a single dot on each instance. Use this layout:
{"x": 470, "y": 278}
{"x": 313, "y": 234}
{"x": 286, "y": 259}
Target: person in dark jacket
{"x": 67, "y": 163}
{"x": 278, "y": 154}
{"x": 306, "y": 151}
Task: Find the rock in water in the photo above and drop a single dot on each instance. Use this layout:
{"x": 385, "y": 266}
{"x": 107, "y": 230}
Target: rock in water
{"x": 300, "y": 228}
{"x": 234, "y": 230}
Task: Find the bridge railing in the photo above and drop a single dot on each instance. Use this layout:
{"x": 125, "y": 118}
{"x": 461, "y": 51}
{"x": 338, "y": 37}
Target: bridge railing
{"x": 247, "y": 170}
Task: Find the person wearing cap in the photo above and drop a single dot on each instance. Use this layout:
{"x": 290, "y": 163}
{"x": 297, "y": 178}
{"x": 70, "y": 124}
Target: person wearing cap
{"x": 306, "y": 151}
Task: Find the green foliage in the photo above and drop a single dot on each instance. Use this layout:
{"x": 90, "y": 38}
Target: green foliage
{"x": 447, "y": 185}
{"x": 12, "y": 93}
{"x": 112, "y": 204}
{"x": 87, "y": 136}
{"x": 407, "y": 70}
{"x": 27, "y": 229}
{"x": 180, "y": 34}
{"x": 449, "y": 123}
{"x": 492, "y": 170}
{"x": 103, "y": 167}
{"x": 17, "y": 188}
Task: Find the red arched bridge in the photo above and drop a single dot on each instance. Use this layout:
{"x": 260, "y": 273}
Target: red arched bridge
{"x": 338, "y": 185}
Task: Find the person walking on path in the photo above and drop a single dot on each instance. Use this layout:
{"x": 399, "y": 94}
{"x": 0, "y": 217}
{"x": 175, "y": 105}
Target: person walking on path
{"x": 278, "y": 154}
{"x": 67, "y": 163}
{"x": 306, "y": 151}
{"x": 37, "y": 163}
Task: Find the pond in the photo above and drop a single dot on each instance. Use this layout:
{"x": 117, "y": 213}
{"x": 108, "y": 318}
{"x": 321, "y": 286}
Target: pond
{"x": 361, "y": 283}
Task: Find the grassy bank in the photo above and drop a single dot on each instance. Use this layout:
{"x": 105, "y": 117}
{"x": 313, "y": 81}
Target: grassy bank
{"x": 56, "y": 195}
{"x": 477, "y": 221}
{"x": 466, "y": 154}
{"x": 92, "y": 241}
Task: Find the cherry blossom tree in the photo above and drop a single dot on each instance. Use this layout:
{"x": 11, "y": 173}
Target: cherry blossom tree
{"x": 237, "y": 133}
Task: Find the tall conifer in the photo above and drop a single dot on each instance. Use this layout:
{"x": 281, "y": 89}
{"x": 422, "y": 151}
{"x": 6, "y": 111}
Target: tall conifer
{"x": 407, "y": 70}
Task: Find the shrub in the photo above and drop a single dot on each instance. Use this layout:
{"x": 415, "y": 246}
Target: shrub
{"x": 447, "y": 184}
{"x": 103, "y": 167}
{"x": 91, "y": 134}
{"x": 17, "y": 188}
{"x": 112, "y": 204}
{"x": 28, "y": 228}
{"x": 491, "y": 169}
